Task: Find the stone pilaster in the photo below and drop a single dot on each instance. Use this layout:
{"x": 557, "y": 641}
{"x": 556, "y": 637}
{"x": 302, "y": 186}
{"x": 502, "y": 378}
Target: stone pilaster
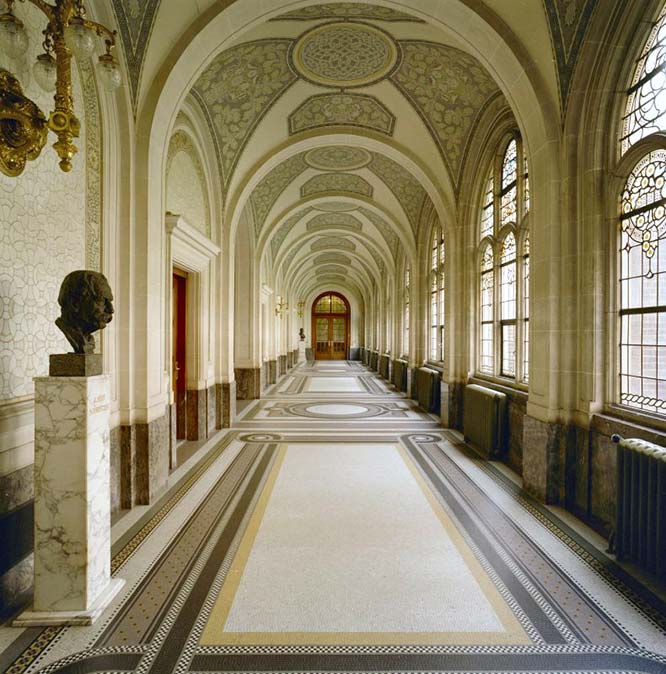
{"x": 226, "y": 404}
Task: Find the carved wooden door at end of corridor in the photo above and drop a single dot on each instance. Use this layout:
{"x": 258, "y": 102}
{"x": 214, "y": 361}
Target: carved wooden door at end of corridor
{"x": 330, "y": 327}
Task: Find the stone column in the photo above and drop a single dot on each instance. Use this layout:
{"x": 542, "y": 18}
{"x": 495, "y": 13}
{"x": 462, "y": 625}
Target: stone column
{"x": 73, "y": 582}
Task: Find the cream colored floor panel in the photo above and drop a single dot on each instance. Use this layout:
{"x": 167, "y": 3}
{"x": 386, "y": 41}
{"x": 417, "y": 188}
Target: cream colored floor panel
{"x": 351, "y": 543}
{"x": 337, "y": 385}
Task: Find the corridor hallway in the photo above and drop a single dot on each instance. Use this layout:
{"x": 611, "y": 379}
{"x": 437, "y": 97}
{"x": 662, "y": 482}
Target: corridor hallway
{"x": 337, "y": 527}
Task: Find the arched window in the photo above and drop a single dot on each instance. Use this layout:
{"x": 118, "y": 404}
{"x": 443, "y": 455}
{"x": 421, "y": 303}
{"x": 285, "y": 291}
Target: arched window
{"x": 405, "y": 314}
{"x": 437, "y": 296}
{"x": 646, "y": 103}
{"x": 504, "y": 267}
{"x": 642, "y": 281}
{"x": 641, "y": 267}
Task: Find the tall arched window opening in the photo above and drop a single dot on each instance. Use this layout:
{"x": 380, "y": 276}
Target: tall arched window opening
{"x": 436, "y": 352}
{"x": 405, "y": 313}
{"x": 503, "y": 274}
{"x": 640, "y": 381}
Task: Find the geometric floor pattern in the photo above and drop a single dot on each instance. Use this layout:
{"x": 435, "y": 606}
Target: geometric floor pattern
{"x": 339, "y": 528}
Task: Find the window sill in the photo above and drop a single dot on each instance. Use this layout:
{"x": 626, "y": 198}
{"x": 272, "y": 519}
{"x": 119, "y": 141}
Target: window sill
{"x": 504, "y": 385}
{"x": 434, "y": 366}
{"x": 634, "y": 418}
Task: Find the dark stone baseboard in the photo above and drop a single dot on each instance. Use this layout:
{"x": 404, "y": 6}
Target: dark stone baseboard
{"x": 248, "y": 383}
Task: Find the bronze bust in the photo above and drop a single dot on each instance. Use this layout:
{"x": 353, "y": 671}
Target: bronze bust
{"x": 86, "y": 306}
{"x": 301, "y": 334}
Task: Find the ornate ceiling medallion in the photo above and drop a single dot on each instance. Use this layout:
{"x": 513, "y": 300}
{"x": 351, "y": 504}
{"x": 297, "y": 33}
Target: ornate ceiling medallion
{"x": 338, "y": 158}
{"x": 345, "y": 54}
{"x": 335, "y": 207}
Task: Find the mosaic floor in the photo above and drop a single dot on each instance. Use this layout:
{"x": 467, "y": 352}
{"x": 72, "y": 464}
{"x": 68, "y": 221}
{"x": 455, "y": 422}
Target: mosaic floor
{"x": 338, "y": 528}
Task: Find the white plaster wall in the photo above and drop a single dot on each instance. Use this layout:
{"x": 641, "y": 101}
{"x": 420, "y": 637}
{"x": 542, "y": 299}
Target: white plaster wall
{"x": 42, "y": 238}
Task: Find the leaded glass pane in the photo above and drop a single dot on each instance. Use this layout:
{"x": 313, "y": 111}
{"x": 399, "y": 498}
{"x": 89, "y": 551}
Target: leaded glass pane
{"x": 526, "y": 185}
{"x": 487, "y": 213}
{"x": 337, "y": 305}
{"x": 487, "y": 291}
{"x": 508, "y": 207}
{"x": 324, "y": 305}
{"x": 643, "y": 286}
{"x": 646, "y": 103}
{"x": 509, "y": 165}
{"x": 526, "y": 309}
{"x": 509, "y": 350}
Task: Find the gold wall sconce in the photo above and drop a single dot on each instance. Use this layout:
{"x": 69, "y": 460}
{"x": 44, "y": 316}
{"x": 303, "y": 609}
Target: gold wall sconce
{"x": 23, "y": 127}
{"x": 281, "y": 306}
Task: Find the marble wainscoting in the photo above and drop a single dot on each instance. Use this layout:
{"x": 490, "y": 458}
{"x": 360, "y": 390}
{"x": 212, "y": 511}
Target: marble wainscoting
{"x": 197, "y": 414}
{"x": 272, "y": 372}
{"x": 211, "y": 403}
{"x": 16, "y": 534}
{"x": 248, "y": 383}
{"x": 543, "y": 460}
{"x": 282, "y": 365}
{"x": 72, "y": 567}
{"x": 290, "y": 360}
{"x": 225, "y": 412}
{"x": 145, "y": 458}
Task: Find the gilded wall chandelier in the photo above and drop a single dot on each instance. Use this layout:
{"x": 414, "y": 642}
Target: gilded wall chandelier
{"x": 23, "y": 126}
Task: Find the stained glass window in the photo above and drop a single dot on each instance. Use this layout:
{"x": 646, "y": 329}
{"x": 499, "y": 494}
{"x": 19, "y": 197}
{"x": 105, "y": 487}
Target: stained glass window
{"x": 526, "y": 309}
{"x": 642, "y": 289}
{"x": 488, "y": 211}
{"x": 646, "y": 105}
{"x": 405, "y": 316}
{"x": 437, "y": 296}
{"x": 486, "y": 303}
{"x": 331, "y": 304}
{"x": 508, "y": 195}
{"x": 504, "y": 274}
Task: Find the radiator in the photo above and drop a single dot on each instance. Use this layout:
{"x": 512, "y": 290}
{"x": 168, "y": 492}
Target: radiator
{"x": 384, "y": 366}
{"x": 484, "y": 419}
{"x": 400, "y": 374}
{"x": 428, "y": 389}
{"x": 640, "y": 516}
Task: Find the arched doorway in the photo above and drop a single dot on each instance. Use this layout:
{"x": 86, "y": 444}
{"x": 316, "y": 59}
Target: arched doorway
{"x": 330, "y": 326}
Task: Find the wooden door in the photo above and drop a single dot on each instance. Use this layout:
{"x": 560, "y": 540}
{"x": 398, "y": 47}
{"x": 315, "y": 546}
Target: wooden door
{"x": 179, "y": 351}
{"x": 330, "y": 327}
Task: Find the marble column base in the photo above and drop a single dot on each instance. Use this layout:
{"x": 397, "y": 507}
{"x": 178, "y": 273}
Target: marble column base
{"x": 282, "y": 365}
{"x": 248, "y": 383}
{"x": 32, "y": 618}
{"x": 543, "y": 460}
{"x": 451, "y": 396}
{"x": 226, "y": 404}
{"x": 272, "y": 372}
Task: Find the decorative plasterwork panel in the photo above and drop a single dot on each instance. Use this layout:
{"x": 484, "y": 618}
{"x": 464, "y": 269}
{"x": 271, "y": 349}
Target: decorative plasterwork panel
{"x": 335, "y": 207}
{"x": 333, "y": 279}
{"x": 345, "y": 109}
{"x": 290, "y": 257}
{"x": 333, "y": 258}
{"x": 344, "y": 54}
{"x": 266, "y": 193}
{"x": 334, "y": 220}
{"x": 347, "y": 10}
{"x": 135, "y": 20}
{"x": 448, "y": 88}
{"x": 338, "y": 158}
{"x": 568, "y": 21}
{"x": 384, "y": 228}
{"x": 285, "y": 228}
{"x": 195, "y": 207}
{"x": 405, "y": 187}
{"x": 94, "y": 156}
{"x": 335, "y": 242}
{"x": 238, "y": 88}
{"x": 337, "y": 182}
{"x": 331, "y": 269}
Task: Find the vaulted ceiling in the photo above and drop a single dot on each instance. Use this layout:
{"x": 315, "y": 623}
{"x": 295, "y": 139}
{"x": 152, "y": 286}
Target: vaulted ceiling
{"x": 341, "y": 130}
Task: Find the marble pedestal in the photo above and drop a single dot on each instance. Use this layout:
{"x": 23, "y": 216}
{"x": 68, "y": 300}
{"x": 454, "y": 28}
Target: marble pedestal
{"x": 301, "y": 352}
{"x": 73, "y": 583}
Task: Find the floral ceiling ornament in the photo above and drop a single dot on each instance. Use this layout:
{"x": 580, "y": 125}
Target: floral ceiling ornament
{"x": 337, "y": 182}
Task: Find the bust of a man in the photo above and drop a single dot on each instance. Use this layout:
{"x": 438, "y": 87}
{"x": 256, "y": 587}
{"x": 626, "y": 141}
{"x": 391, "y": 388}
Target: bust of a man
{"x": 301, "y": 334}
{"x": 86, "y": 306}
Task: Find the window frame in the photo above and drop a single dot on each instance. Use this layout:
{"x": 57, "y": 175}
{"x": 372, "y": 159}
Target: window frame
{"x": 406, "y": 309}
{"x": 520, "y": 230}
{"x": 436, "y": 295}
